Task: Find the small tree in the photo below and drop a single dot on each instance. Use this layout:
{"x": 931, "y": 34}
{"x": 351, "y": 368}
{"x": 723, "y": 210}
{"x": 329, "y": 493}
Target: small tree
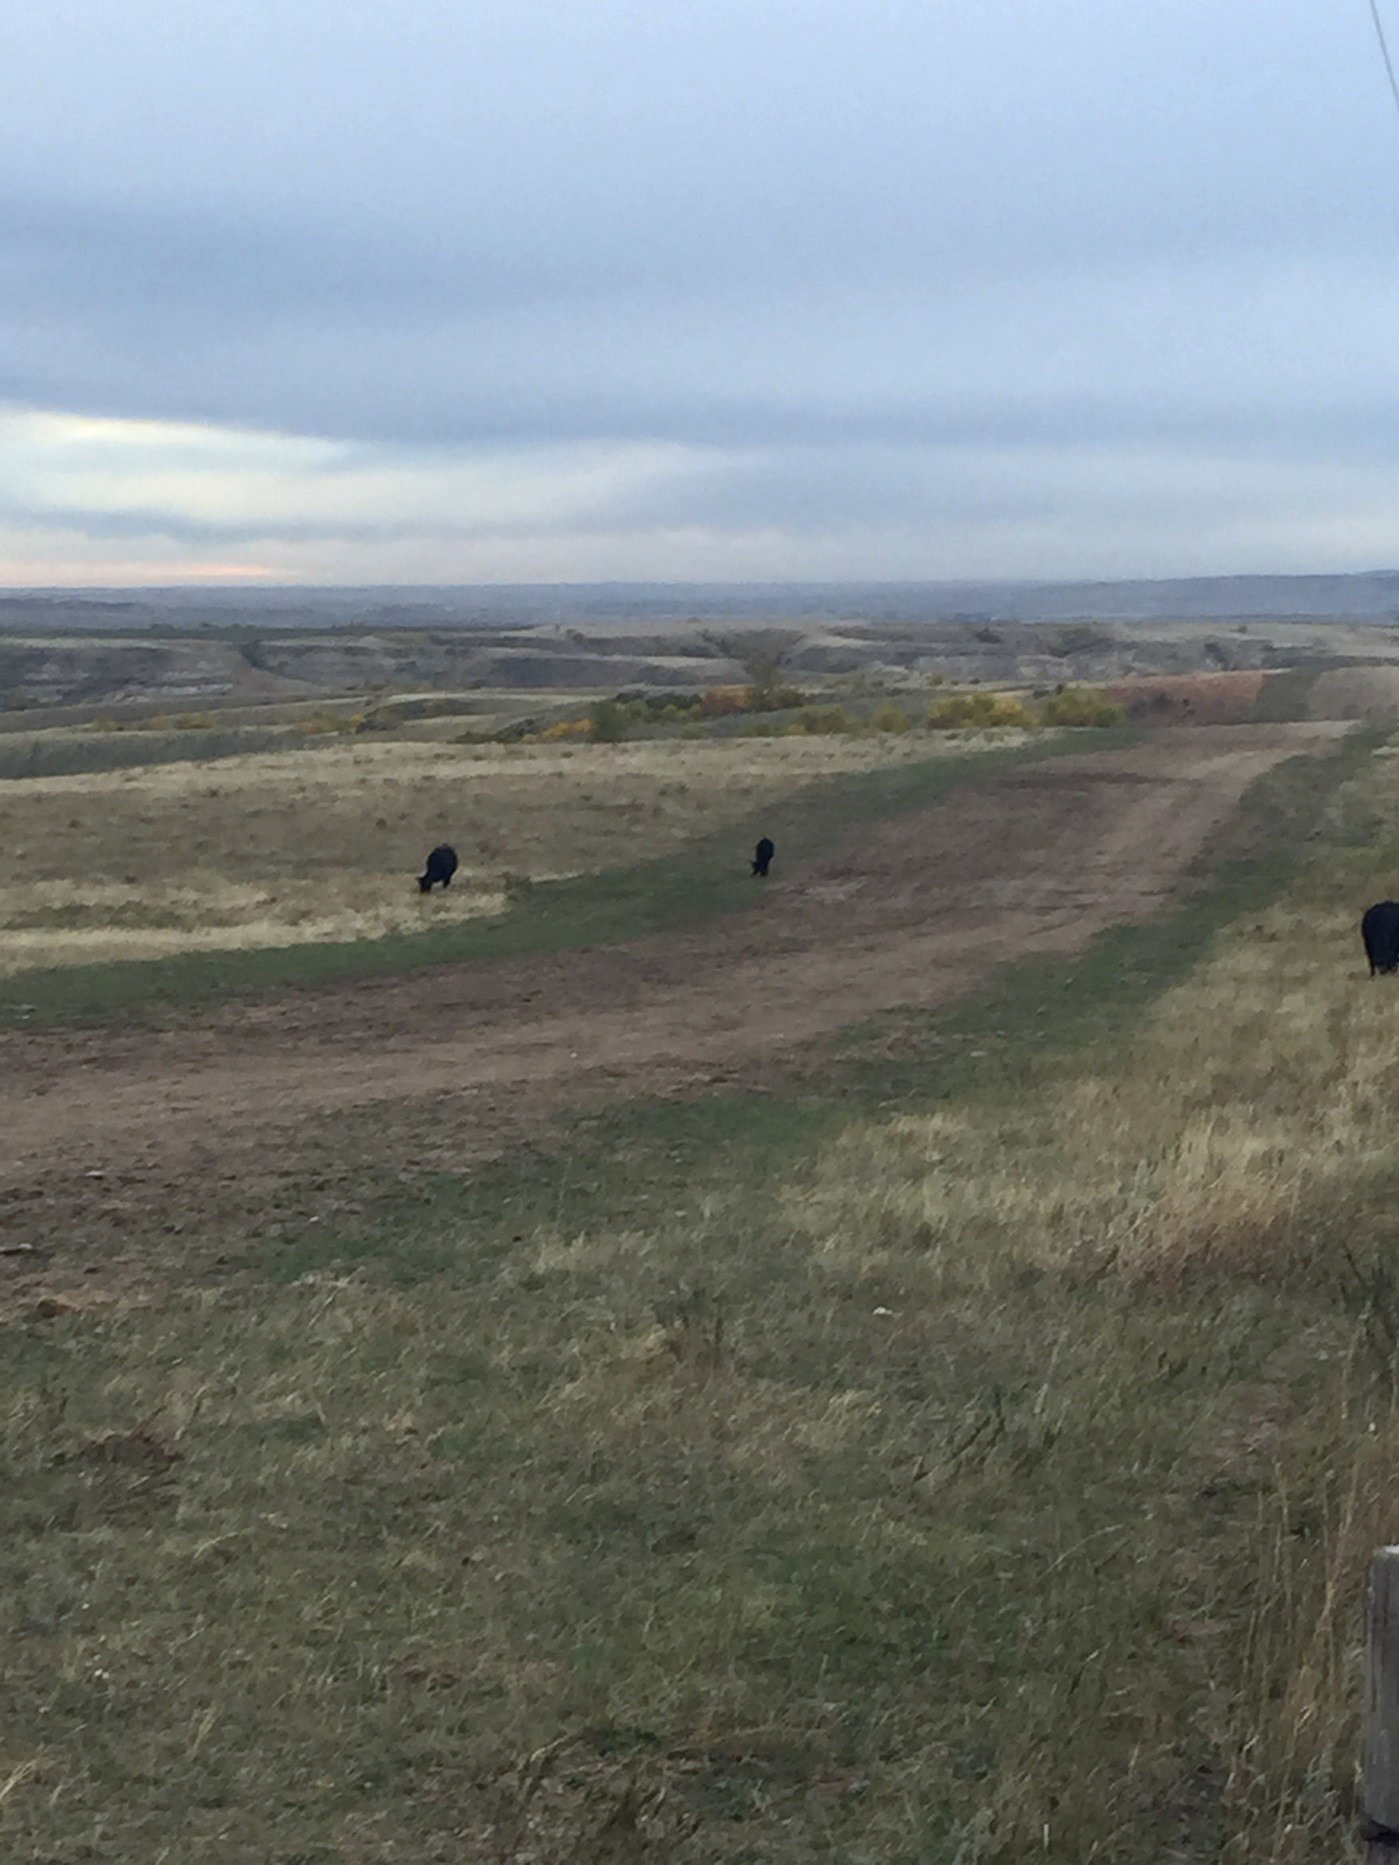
{"x": 609, "y": 723}
{"x": 763, "y": 670}
{"x": 761, "y": 655}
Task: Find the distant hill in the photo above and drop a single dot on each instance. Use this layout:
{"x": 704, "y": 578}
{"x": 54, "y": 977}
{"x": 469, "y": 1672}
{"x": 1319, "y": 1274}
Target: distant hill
{"x": 1370, "y": 596}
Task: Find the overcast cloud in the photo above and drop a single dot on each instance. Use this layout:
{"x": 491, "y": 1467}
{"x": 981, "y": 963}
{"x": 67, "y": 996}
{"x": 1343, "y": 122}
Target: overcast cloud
{"x": 443, "y": 291}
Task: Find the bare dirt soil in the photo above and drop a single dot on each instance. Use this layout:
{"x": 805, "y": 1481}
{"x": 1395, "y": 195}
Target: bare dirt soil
{"x": 1190, "y": 699}
{"x": 1031, "y": 862}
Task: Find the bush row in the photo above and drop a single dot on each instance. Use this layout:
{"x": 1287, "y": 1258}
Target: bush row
{"x": 611, "y": 720}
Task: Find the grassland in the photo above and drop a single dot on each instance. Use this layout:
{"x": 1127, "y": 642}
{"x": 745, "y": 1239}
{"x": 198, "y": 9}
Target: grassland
{"x": 965, "y": 1452}
{"x": 284, "y": 868}
{"x": 69, "y": 754}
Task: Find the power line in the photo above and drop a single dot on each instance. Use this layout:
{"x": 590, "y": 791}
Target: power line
{"x": 1384, "y": 49}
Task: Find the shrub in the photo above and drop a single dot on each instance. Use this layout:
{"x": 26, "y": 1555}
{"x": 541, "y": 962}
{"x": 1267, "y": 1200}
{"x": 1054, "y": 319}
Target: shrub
{"x": 1081, "y": 705}
{"x": 958, "y": 710}
{"x": 774, "y": 698}
{"x": 889, "y": 718}
{"x": 562, "y": 730}
{"x": 645, "y": 709}
{"x": 321, "y": 722}
{"x": 609, "y": 723}
{"x": 816, "y": 721}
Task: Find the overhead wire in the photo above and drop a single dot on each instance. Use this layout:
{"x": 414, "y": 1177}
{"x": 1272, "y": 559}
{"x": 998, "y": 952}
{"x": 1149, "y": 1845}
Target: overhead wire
{"x": 1384, "y": 50}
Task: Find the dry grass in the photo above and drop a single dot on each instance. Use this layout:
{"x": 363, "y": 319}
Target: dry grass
{"x": 1259, "y": 1096}
{"x": 774, "y": 1479}
{"x": 1230, "y": 1180}
{"x": 1255, "y": 1106}
{"x": 283, "y": 849}
{"x": 1196, "y": 698}
{"x": 1355, "y": 693}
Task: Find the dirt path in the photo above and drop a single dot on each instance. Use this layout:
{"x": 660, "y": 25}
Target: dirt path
{"x": 1032, "y": 862}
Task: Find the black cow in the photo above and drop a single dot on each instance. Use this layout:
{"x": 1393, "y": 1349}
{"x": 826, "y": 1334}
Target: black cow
{"x": 762, "y": 856}
{"x": 1380, "y": 931}
{"x": 441, "y": 866}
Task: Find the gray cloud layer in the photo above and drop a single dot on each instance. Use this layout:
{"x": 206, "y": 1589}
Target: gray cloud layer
{"x": 842, "y": 244}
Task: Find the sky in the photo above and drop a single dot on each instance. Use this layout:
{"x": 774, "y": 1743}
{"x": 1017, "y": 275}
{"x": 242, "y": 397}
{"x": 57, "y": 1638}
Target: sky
{"x": 393, "y": 291}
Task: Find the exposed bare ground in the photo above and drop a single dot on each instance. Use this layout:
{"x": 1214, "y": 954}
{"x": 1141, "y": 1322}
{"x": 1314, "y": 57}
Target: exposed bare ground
{"x": 1190, "y": 699}
{"x": 1035, "y": 861}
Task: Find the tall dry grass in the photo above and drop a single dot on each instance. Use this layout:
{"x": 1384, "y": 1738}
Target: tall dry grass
{"x": 1255, "y": 1107}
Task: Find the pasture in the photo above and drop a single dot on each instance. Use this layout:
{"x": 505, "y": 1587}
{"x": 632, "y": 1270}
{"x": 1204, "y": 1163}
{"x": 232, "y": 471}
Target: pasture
{"x": 306, "y": 846}
{"x": 953, "y": 1438}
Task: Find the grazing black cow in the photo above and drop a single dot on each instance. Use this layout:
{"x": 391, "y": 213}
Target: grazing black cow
{"x": 1380, "y": 931}
{"x": 762, "y": 856}
{"x": 441, "y": 866}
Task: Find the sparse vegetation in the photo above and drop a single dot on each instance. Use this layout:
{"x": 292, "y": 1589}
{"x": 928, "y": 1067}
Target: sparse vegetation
{"x": 329, "y": 719}
{"x": 1079, "y": 638}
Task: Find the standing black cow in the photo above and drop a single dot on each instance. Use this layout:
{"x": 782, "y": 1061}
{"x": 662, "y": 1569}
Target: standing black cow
{"x": 1380, "y": 931}
{"x": 762, "y": 856}
{"x": 441, "y": 866}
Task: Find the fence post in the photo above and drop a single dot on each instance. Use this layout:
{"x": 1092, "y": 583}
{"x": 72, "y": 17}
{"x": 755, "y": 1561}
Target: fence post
{"x": 1379, "y": 1791}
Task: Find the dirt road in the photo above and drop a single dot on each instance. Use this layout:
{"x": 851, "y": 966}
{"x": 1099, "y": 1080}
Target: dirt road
{"x": 1026, "y": 864}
